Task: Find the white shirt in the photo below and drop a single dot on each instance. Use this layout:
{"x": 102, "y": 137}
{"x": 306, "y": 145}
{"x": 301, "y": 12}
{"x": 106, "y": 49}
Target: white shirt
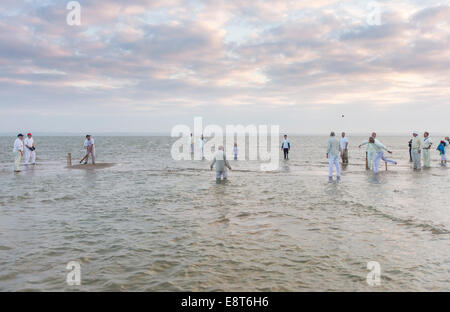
{"x": 28, "y": 142}
{"x": 344, "y": 142}
{"x": 333, "y": 148}
{"x": 427, "y": 142}
{"x": 366, "y": 142}
{"x": 89, "y": 143}
{"x": 378, "y": 147}
{"x": 285, "y": 143}
{"x": 417, "y": 143}
{"x": 219, "y": 155}
{"x": 18, "y": 145}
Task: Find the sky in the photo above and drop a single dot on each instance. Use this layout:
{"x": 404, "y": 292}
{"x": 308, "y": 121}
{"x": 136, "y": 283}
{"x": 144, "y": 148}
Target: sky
{"x": 148, "y": 65}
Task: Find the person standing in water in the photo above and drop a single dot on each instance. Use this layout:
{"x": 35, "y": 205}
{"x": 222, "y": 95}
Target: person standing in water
{"x": 333, "y": 152}
{"x": 90, "y": 149}
{"x": 344, "y": 149}
{"x": 379, "y": 149}
{"x": 371, "y": 153}
{"x": 417, "y": 146}
{"x": 286, "y": 147}
{"x": 447, "y": 143}
{"x": 427, "y": 143}
{"x": 410, "y": 150}
{"x": 441, "y": 149}
{"x": 221, "y": 162}
{"x": 191, "y": 143}
{"x": 18, "y": 152}
{"x": 201, "y": 145}
{"x": 30, "y": 150}
{"x": 235, "y": 151}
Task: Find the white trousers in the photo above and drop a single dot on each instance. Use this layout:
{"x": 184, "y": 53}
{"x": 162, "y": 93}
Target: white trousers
{"x": 92, "y": 152}
{"x": 29, "y": 155}
{"x": 220, "y": 174}
{"x": 417, "y": 161}
{"x": 17, "y": 159}
{"x": 333, "y": 160}
{"x": 426, "y": 158}
{"x": 377, "y": 160}
{"x": 371, "y": 158}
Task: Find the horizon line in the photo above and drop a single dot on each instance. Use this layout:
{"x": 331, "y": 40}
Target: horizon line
{"x": 168, "y": 134}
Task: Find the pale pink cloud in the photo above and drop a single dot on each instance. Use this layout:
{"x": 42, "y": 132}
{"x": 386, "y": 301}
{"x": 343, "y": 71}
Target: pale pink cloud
{"x": 147, "y": 55}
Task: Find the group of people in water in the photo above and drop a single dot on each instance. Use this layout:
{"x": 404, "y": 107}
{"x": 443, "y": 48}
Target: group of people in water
{"x": 419, "y": 149}
{"x": 25, "y": 148}
{"x": 416, "y": 145}
{"x": 201, "y": 146}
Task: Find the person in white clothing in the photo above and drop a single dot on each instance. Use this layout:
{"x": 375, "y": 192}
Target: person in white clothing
{"x": 446, "y": 143}
{"x": 344, "y": 149}
{"x": 333, "y": 152}
{"x": 221, "y": 162}
{"x": 90, "y": 150}
{"x": 370, "y": 152}
{"x": 18, "y": 152}
{"x": 379, "y": 149}
{"x": 30, "y": 150}
{"x": 416, "y": 148}
{"x": 427, "y": 143}
{"x": 201, "y": 146}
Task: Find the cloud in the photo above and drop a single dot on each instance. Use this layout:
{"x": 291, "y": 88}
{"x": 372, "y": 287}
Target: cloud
{"x": 177, "y": 58}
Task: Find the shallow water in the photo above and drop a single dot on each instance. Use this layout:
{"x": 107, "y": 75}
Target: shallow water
{"x": 150, "y": 223}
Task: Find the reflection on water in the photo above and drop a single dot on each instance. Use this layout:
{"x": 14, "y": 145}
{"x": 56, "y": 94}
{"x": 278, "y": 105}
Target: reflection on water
{"x": 284, "y": 166}
{"x": 152, "y": 224}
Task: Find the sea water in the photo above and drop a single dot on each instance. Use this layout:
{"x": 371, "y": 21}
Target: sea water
{"x": 150, "y": 223}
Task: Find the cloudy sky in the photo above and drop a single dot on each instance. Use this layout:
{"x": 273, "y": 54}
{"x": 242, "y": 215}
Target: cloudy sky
{"x": 147, "y": 65}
